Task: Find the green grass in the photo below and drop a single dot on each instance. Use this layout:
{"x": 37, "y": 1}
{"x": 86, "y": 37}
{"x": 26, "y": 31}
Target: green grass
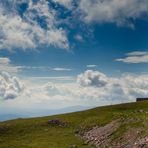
{"x": 37, "y": 133}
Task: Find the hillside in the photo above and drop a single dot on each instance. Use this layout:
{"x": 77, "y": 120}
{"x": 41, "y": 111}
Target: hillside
{"x": 124, "y": 125}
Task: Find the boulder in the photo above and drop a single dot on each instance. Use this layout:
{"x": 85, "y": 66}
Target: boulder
{"x": 56, "y": 122}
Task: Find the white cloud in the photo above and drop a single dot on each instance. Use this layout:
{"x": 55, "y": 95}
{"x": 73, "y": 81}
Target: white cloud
{"x": 10, "y": 87}
{"x": 137, "y": 53}
{"x": 92, "y": 78}
{"x": 52, "y": 79}
{"x": 135, "y": 57}
{"x": 117, "y": 90}
{"x": 125, "y": 88}
{"x": 91, "y": 66}
{"x": 26, "y": 32}
{"x": 5, "y": 65}
{"x": 4, "y": 60}
{"x": 78, "y": 37}
{"x": 61, "y": 69}
{"x": 38, "y": 93}
{"x": 120, "y": 12}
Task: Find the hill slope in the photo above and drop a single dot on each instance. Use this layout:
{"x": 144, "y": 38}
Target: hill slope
{"x": 116, "y": 124}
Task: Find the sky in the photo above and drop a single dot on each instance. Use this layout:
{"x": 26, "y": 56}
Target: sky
{"x": 61, "y": 53}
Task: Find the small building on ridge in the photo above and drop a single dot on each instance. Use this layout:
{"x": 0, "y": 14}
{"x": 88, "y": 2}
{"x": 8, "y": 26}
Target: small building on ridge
{"x": 141, "y": 99}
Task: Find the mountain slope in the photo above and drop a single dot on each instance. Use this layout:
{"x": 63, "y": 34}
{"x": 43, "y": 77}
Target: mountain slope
{"x": 71, "y": 130}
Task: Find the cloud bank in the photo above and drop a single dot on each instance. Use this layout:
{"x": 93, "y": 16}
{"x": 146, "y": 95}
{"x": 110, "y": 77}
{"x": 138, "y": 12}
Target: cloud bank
{"x": 92, "y": 88}
{"x": 126, "y": 87}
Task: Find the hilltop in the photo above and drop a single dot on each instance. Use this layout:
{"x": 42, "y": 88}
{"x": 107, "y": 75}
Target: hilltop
{"x": 124, "y": 125}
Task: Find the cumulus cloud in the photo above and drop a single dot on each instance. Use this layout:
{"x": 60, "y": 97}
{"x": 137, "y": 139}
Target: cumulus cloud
{"x": 113, "y": 11}
{"x": 36, "y": 26}
{"x": 92, "y": 78}
{"x": 10, "y": 87}
{"x": 134, "y": 85}
{"x": 135, "y": 57}
{"x": 127, "y": 87}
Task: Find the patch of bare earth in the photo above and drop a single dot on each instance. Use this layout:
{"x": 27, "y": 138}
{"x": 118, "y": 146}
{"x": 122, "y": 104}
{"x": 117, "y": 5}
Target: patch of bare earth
{"x": 99, "y": 136}
{"x": 128, "y": 139}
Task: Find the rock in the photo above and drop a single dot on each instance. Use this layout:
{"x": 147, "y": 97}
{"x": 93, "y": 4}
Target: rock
{"x": 56, "y": 122}
{"x": 73, "y": 146}
{"x": 141, "y": 143}
{"x": 3, "y": 129}
{"x": 141, "y": 110}
{"x": 77, "y": 131}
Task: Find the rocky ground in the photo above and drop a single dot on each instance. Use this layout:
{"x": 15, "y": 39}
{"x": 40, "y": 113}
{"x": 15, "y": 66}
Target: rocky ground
{"x": 101, "y": 137}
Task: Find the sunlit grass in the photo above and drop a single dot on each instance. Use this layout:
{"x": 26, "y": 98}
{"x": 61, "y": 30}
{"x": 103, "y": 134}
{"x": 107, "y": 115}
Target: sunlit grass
{"x": 37, "y": 133}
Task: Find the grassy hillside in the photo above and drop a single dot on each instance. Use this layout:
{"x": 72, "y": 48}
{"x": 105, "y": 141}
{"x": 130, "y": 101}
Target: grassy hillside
{"x": 38, "y": 133}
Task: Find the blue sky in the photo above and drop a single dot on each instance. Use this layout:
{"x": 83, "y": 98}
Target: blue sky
{"x": 100, "y": 44}
{"x": 108, "y": 43}
{"x": 63, "y": 44}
